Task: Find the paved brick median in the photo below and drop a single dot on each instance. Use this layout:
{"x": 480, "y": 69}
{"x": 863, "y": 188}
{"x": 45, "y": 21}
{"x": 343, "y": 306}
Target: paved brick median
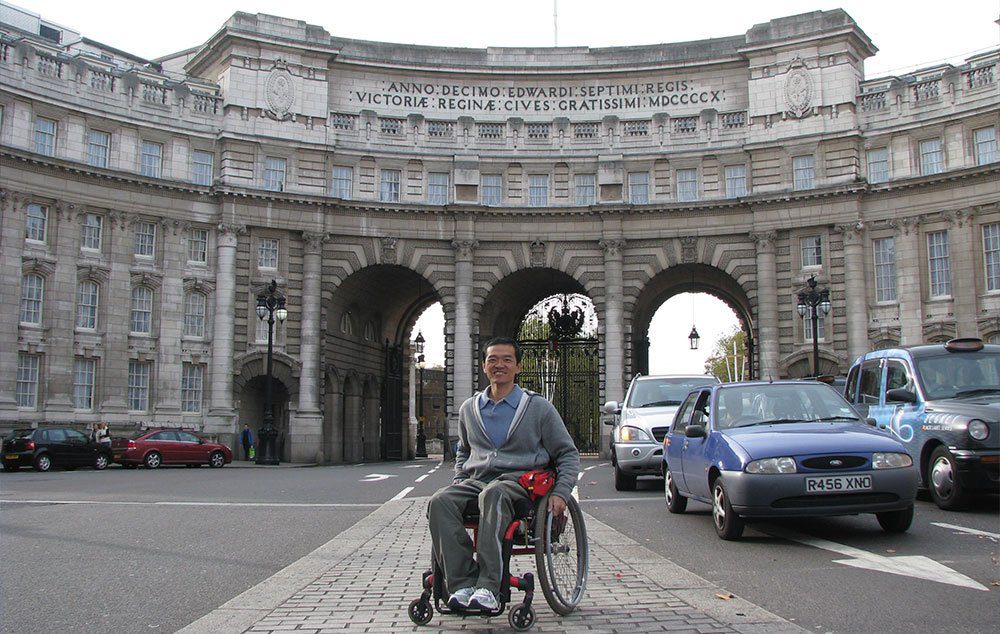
{"x": 364, "y": 579}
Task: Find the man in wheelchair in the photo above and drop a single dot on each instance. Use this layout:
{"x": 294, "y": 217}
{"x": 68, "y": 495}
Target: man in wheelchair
{"x": 504, "y": 431}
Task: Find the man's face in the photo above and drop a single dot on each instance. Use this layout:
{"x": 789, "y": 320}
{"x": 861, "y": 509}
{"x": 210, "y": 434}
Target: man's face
{"x": 501, "y": 366}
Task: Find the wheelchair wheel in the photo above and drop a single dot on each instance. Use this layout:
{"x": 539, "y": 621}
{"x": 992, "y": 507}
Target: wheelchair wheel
{"x": 420, "y": 611}
{"x": 561, "y": 555}
{"x": 521, "y": 618}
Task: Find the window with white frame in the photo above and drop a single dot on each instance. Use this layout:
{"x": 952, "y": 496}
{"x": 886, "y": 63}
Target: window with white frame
{"x": 807, "y": 331}
{"x": 811, "y": 248}
{"x": 87, "y": 298}
{"x": 687, "y": 185}
{"x": 986, "y": 145}
{"x": 138, "y": 386}
{"x": 83, "y": 383}
{"x": 198, "y": 246}
{"x": 267, "y": 253}
{"x": 931, "y": 159}
{"x": 939, "y": 264}
{"x": 90, "y": 232}
{"x": 878, "y": 165}
{"x": 274, "y": 173}
{"x": 389, "y": 183}
{"x": 32, "y": 297}
{"x": 538, "y": 190}
{"x": 638, "y": 188}
{"x": 26, "y": 390}
{"x": 98, "y": 147}
{"x": 142, "y": 310}
{"x": 437, "y": 188}
{"x": 195, "y": 308}
{"x": 884, "y": 251}
{"x": 586, "y": 189}
{"x": 991, "y": 255}
{"x": 192, "y": 378}
{"x": 45, "y": 136}
{"x": 341, "y": 182}
{"x": 491, "y": 189}
{"x": 36, "y": 227}
{"x": 151, "y": 159}
{"x": 145, "y": 239}
{"x": 736, "y": 181}
{"x": 202, "y": 167}
{"x": 804, "y": 172}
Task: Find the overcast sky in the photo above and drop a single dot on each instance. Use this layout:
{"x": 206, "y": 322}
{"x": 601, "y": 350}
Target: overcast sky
{"x": 908, "y": 35}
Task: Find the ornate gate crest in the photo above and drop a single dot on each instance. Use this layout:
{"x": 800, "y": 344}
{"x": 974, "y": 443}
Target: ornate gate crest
{"x": 279, "y": 91}
{"x": 798, "y": 89}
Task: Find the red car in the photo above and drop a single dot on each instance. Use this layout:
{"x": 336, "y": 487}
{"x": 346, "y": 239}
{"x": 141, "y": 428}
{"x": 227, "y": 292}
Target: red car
{"x": 169, "y": 446}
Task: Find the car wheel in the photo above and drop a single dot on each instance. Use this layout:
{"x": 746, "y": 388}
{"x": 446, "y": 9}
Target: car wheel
{"x": 895, "y": 521}
{"x": 942, "y": 475}
{"x": 217, "y": 459}
{"x": 624, "y": 481}
{"x": 101, "y": 462}
{"x": 153, "y": 460}
{"x": 43, "y": 463}
{"x": 728, "y": 525}
{"x": 676, "y": 503}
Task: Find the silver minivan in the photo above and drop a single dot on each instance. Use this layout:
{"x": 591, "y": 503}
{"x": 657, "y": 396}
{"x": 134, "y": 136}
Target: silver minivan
{"x": 642, "y": 421}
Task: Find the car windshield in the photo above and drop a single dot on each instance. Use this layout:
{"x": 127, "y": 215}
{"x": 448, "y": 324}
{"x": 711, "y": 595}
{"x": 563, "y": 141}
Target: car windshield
{"x": 664, "y": 392}
{"x": 780, "y": 403}
{"x": 959, "y": 374}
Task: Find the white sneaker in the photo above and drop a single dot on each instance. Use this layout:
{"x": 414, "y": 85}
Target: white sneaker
{"x": 460, "y": 599}
{"x": 484, "y": 600}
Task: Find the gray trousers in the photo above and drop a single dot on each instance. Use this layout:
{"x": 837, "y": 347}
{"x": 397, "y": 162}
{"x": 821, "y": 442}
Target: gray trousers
{"x": 451, "y": 544}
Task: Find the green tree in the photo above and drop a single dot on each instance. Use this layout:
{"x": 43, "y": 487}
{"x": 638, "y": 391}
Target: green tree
{"x": 728, "y": 359}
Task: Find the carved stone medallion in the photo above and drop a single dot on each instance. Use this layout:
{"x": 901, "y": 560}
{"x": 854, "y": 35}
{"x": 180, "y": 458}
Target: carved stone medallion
{"x": 798, "y": 89}
{"x": 279, "y": 91}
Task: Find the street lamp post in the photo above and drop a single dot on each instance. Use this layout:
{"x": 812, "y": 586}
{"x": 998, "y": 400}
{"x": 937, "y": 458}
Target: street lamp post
{"x": 418, "y": 344}
{"x": 270, "y": 304}
{"x": 812, "y": 302}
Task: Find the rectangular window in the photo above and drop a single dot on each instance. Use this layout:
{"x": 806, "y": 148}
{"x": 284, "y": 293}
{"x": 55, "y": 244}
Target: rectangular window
{"x": 274, "y": 174}
{"x": 885, "y": 269}
{"x": 687, "y": 185}
{"x": 202, "y": 167}
{"x": 87, "y": 294}
{"x": 585, "y": 131}
{"x": 586, "y": 189}
{"x": 878, "y": 165}
{"x": 340, "y": 121}
{"x": 736, "y": 181}
{"x": 83, "y": 383}
{"x": 389, "y": 186}
{"x": 36, "y": 228}
{"x": 142, "y": 311}
{"x": 195, "y": 307}
{"x": 98, "y": 146}
{"x": 45, "y": 136}
{"x": 151, "y": 163}
{"x": 986, "y": 145}
{"x": 437, "y": 188}
{"x": 145, "y": 239}
{"x": 138, "y": 386}
{"x": 538, "y": 131}
{"x": 90, "y": 232}
{"x": 27, "y": 380}
{"x": 812, "y": 252}
{"x": 636, "y": 128}
{"x": 807, "y": 330}
{"x": 492, "y": 189}
{"x": 939, "y": 264}
{"x": 440, "y": 129}
{"x": 267, "y": 253}
{"x": 192, "y": 377}
{"x": 490, "y": 130}
{"x": 32, "y": 294}
{"x": 198, "y": 246}
{"x": 538, "y": 190}
{"x": 638, "y": 187}
{"x": 931, "y": 160}
{"x": 391, "y": 127}
{"x": 804, "y": 172}
{"x": 342, "y": 182}
{"x": 991, "y": 255}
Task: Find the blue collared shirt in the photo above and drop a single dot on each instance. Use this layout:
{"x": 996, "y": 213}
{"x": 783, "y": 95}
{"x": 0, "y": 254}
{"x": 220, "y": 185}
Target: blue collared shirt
{"x": 497, "y": 416}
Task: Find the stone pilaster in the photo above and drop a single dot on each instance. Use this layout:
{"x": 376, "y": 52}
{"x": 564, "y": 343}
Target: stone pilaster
{"x": 306, "y": 426}
{"x": 614, "y": 327}
{"x": 221, "y": 410}
{"x": 964, "y": 273}
{"x": 11, "y": 239}
{"x": 169, "y": 325}
{"x": 855, "y": 289}
{"x": 767, "y": 305}
{"x": 465, "y": 357}
{"x": 908, "y": 288}
{"x": 112, "y": 393}
{"x": 59, "y": 312}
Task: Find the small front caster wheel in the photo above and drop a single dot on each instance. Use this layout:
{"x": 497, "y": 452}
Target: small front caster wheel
{"x": 420, "y": 611}
{"x": 522, "y": 618}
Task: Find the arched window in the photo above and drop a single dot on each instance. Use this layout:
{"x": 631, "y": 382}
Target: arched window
{"x": 87, "y": 294}
{"x": 347, "y": 324}
{"x": 32, "y": 292}
{"x": 370, "y": 331}
{"x": 195, "y": 304}
{"x": 142, "y": 310}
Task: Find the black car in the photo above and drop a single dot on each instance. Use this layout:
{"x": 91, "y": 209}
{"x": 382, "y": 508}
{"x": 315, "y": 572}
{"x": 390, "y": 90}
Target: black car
{"x": 49, "y": 447}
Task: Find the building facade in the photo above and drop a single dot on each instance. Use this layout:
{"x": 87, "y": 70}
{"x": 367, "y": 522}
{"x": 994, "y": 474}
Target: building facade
{"x": 145, "y": 204}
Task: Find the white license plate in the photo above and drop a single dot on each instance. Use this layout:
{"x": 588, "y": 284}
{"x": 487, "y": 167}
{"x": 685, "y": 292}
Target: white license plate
{"x": 838, "y": 484}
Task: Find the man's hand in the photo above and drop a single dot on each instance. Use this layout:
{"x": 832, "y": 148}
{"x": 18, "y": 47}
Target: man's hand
{"x": 556, "y": 505}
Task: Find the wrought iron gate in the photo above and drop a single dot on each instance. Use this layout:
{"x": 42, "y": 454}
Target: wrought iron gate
{"x": 392, "y": 404}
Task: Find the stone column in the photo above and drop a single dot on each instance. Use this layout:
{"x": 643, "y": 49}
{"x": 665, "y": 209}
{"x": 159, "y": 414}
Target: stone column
{"x": 169, "y": 324}
{"x": 306, "y": 427}
{"x": 908, "y": 288}
{"x": 855, "y": 302}
{"x": 113, "y": 390}
{"x": 963, "y": 244}
{"x": 614, "y": 327}
{"x": 59, "y": 313}
{"x": 464, "y": 362}
{"x": 221, "y": 410}
{"x": 767, "y": 305}
{"x": 11, "y": 247}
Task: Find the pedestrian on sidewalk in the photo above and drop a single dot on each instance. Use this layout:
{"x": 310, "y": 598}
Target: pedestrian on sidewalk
{"x": 246, "y": 439}
{"x": 102, "y": 435}
{"x": 504, "y": 431}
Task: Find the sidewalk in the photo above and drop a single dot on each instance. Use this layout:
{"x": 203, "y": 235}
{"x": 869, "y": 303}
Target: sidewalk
{"x": 364, "y": 579}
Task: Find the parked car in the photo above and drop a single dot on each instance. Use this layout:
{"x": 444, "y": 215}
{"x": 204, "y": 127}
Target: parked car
{"x": 156, "y": 447}
{"x": 756, "y": 450}
{"x": 642, "y": 422}
{"x": 48, "y": 447}
{"x": 942, "y": 401}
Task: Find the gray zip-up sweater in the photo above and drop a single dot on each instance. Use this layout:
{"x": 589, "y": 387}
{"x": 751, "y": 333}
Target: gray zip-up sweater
{"x": 537, "y": 439}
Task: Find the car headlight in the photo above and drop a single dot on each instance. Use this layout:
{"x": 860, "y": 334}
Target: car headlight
{"x": 772, "y": 465}
{"x": 978, "y": 430}
{"x": 890, "y": 460}
{"x": 627, "y": 433}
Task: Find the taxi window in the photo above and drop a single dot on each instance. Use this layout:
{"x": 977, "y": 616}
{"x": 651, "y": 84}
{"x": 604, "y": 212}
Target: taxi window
{"x": 851, "y": 390}
{"x": 871, "y": 382}
{"x": 684, "y": 414}
{"x": 897, "y": 375}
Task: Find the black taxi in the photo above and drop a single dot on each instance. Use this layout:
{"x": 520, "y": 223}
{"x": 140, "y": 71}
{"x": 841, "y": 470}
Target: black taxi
{"x": 942, "y": 401}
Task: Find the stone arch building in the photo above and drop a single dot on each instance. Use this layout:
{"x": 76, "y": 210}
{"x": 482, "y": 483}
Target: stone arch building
{"x": 145, "y": 203}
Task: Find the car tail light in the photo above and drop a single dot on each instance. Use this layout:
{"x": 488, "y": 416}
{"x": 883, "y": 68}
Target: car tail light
{"x": 30, "y": 445}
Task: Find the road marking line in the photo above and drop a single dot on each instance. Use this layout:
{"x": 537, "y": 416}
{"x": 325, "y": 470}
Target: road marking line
{"x": 422, "y": 478}
{"x": 592, "y": 467}
{"x": 401, "y": 494}
{"x": 376, "y": 477}
{"x": 968, "y": 531}
{"x": 257, "y": 504}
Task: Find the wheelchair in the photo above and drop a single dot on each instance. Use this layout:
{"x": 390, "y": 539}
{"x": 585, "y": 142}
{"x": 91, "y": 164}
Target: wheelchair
{"x": 562, "y": 559}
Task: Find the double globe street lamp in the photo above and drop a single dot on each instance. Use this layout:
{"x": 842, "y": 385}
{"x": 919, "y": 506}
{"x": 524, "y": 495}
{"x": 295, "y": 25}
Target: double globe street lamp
{"x": 418, "y": 346}
{"x": 813, "y": 302}
{"x": 270, "y": 305}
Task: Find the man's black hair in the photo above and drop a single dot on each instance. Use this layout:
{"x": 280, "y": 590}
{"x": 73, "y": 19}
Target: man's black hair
{"x": 504, "y": 341}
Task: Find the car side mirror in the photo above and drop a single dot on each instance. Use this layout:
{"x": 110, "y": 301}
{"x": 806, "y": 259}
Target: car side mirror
{"x": 900, "y": 395}
{"x": 695, "y": 431}
{"x": 611, "y": 407}
{"x": 871, "y": 422}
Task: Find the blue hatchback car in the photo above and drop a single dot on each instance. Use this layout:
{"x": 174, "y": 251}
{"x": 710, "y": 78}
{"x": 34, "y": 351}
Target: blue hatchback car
{"x": 756, "y": 450}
